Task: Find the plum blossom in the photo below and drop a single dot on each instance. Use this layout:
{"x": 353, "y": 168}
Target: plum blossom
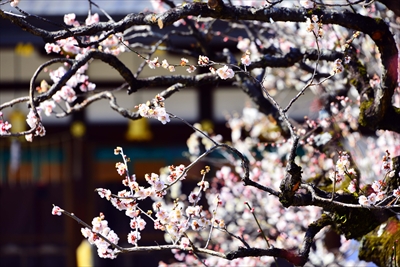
{"x": 191, "y": 69}
{"x": 5, "y": 126}
{"x": 100, "y": 226}
{"x": 158, "y": 111}
{"x": 225, "y": 72}
{"x": 92, "y": 19}
{"x": 66, "y": 93}
{"x": 138, "y": 223}
{"x": 153, "y": 63}
{"x": 203, "y": 61}
{"x": 396, "y": 192}
{"x": 184, "y": 242}
{"x": 307, "y": 3}
{"x": 121, "y": 168}
{"x": 133, "y": 237}
{"x": 372, "y": 198}
{"x": 48, "y": 107}
{"x": 14, "y": 3}
{"x": 244, "y": 44}
{"x": 337, "y": 67}
{"x": 245, "y": 59}
{"x": 165, "y": 64}
{"x": 363, "y": 200}
{"x": 352, "y": 186}
{"x": 184, "y": 61}
{"x": 69, "y": 19}
{"x": 57, "y": 211}
{"x": 29, "y": 137}
{"x": 194, "y": 197}
{"x": 50, "y": 47}
{"x": 104, "y": 193}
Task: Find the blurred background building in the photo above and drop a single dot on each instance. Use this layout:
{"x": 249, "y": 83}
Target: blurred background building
{"x": 76, "y": 155}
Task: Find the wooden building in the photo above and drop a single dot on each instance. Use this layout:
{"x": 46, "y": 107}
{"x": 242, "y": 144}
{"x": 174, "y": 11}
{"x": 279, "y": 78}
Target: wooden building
{"x": 76, "y": 155}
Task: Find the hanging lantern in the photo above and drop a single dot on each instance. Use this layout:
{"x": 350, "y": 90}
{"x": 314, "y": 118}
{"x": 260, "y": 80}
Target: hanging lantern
{"x": 17, "y": 120}
{"x": 139, "y": 130}
{"x": 78, "y": 129}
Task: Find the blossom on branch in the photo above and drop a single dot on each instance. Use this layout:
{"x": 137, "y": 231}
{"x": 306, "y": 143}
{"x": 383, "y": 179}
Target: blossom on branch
{"x": 69, "y": 19}
{"x": 203, "y": 61}
{"x": 245, "y": 59}
{"x": 225, "y": 72}
{"x": 5, "y": 126}
{"x": 57, "y": 211}
{"x": 14, "y": 3}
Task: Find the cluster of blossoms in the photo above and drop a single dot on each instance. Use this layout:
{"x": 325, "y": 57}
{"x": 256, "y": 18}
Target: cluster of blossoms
{"x": 14, "y": 3}
{"x": 5, "y": 126}
{"x": 34, "y": 122}
{"x": 314, "y": 26}
{"x": 154, "y": 63}
{"x": 379, "y": 190}
{"x": 100, "y": 226}
{"x": 155, "y": 109}
{"x": 245, "y": 59}
{"x": 342, "y": 169}
{"x": 337, "y": 66}
{"x": 176, "y": 219}
{"x": 282, "y": 227}
{"x": 97, "y": 235}
{"x": 224, "y": 72}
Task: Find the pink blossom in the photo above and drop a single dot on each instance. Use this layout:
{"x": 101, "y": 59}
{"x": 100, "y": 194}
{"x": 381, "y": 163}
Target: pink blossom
{"x": 133, "y": 237}
{"x": 191, "y": 69}
{"x": 185, "y": 243}
{"x": 14, "y": 3}
{"x": 338, "y": 67}
{"x": 184, "y": 61}
{"x": 165, "y": 64}
{"x": 244, "y": 44}
{"x": 363, "y": 200}
{"x": 352, "y": 187}
{"x": 138, "y": 223}
{"x": 396, "y": 192}
{"x": 153, "y": 63}
{"x": 203, "y": 61}
{"x": 69, "y": 19}
{"x": 307, "y": 3}
{"x": 104, "y": 193}
{"x": 121, "y": 168}
{"x": 52, "y": 48}
{"x": 246, "y": 59}
{"x": 29, "y": 137}
{"x": 57, "y": 211}
{"x": 92, "y": 19}
{"x": 225, "y": 72}
{"x": 48, "y": 107}
{"x": 376, "y": 186}
{"x": 193, "y": 197}
{"x": 372, "y": 198}
{"x": 4, "y": 127}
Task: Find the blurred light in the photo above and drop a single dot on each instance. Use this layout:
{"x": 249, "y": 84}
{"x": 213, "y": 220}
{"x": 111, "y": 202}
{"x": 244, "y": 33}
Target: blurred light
{"x": 139, "y": 130}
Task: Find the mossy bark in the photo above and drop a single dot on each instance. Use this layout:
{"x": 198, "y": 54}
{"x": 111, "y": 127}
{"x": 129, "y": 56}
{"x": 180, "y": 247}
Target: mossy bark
{"x": 380, "y": 246}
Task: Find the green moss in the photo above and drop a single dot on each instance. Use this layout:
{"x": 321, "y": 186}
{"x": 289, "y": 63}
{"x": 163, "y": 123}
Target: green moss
{"x": 378, "y": 20}
{"x": 352, "y": 224}
{"x": 380, "y": 245}
{"x": 364, "y": 106}
{"x": 361, "y": 69}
